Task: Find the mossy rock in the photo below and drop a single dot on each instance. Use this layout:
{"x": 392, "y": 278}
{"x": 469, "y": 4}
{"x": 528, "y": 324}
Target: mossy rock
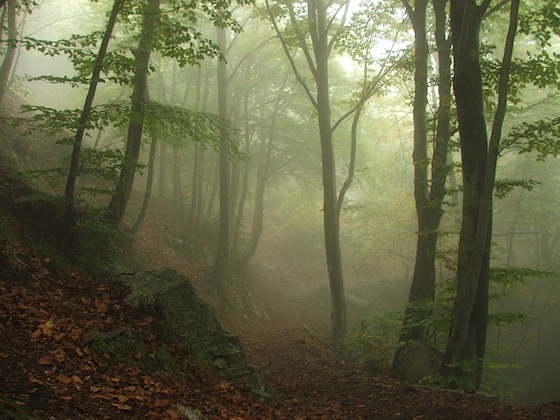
{"x": 182, "y": 317}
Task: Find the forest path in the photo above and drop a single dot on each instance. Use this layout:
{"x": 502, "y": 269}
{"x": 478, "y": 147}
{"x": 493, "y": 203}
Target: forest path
{"x": 311, "y": 381}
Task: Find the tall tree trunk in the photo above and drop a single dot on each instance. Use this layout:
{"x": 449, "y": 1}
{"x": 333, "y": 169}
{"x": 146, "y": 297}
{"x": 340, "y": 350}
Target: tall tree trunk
{"x": 467, "y": 342}
{"x": 317, "y": 59}
{"x": 321, "y": 49}
{"x": 69, "y": 222}
{"x": 193, "y": 219}
{"x": 244, "y": 180}
{"x": 149, "y": 183}
{"x": 162, "y": 175}
{"x": 262, "y": 177}
{"x": 119, "y": 200}
{"x": 428, "y": 195}
{"x": 178, "y": 201}
{"x": 11, "y": 49}
{"x": 222, "y": 254}
{"x": 466, "y": 18}
{"x": 258, "y": 211}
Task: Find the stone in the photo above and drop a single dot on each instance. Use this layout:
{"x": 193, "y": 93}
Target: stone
{"x": 182, "y": 317}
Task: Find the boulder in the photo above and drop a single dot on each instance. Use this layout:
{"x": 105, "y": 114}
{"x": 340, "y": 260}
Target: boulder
{"x": 182, "y": 317}
{"x": 420, "y": 361}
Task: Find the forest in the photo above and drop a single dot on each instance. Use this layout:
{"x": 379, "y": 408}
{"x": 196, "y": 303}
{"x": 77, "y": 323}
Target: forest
{"x": 375, "y": 175}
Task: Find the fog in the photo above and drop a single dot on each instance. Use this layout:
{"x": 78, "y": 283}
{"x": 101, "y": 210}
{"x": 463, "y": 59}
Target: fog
{"x": 378, "y": 228}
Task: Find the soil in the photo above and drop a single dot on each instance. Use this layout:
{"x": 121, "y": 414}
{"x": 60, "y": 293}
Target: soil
{"x": 51, "y": 369}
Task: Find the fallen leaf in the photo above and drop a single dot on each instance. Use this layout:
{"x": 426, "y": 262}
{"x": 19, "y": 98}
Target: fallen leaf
{"x": 100, "y": 397}
{"x": 63, "y": 378}
{"x": 120, "y": 398}
{"x": 146, "y": 321}
{"x": 123, "y": 407}
{"x": 172, "y": 413}
{"x": 162, "y": 403}
{"x": 36, "y": 381}
{"x": 44, "y": 361}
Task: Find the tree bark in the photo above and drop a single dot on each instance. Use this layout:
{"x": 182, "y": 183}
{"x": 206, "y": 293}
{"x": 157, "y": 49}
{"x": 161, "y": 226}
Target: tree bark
{"x": 149, "y": 183}
{"x": 428, "y": 195}
{"x": 471, "y": 341}
{"x": 70, "y": 216}
{"x": 319, "y": 31}
{"x": 11, "y": 49}
{"x": 222, "y": 254}
{"x": 467, "y": 341}
{"x": 119, "y": 200}
{"x": 318, "y": 63}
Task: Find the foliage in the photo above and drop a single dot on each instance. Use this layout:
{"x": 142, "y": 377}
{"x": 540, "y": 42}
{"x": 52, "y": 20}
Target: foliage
{"x": 99, "y": 250}
{"x": 177, "y": 125}
{"x": 541, "y": 136}
{"x": 373, "y": 342}
{"x": 538, "y": 64}
{"x": 437, "y": 323}
{"x": 12, "y": 409}
{"x": 100, "y": 246}
{"x": 134, "y": 350}
{"x": 502, "y": 187}
{"x": 511, "y": 276}
{"x": 493, "y": 383}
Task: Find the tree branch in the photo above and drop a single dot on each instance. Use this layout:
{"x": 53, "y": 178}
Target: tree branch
{"x": 298, "y": 76}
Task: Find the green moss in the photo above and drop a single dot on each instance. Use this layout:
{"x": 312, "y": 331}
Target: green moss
{"x": 133, "y": 350}
{"x": 10, "y": 409}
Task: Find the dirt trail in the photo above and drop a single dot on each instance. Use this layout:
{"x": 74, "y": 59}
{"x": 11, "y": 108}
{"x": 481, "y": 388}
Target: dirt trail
{"x": 313, "y": 383}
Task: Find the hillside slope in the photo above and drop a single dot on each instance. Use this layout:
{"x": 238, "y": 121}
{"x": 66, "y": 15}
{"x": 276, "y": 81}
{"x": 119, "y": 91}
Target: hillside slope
{"x": 53, "y": 365}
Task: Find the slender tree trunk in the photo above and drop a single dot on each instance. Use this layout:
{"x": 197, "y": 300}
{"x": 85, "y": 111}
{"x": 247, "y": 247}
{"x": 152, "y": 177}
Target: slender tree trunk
{"x": 119, "y": 200}
{"x": 318, "y": 62}
{"x": 258, "y": 211}
{"x": 11, "y": 49}
{"x": 244, "y": 180}
{"x": 162, "y": 175}
{"x": 466, "y": 19}
{"x": 149, "y": 183}
{"x": 235, "y": 175}
{"x": 196, "y": 195}
{"x": 319, "y": 30}
{"x": 467, "y": 342}
{"x": 262, "y": 177}
{"x": 82, "y": 124}
{"x": 178, "y": 201}
{"x": 222, "y": 254}
{"x": 428, "y": 194}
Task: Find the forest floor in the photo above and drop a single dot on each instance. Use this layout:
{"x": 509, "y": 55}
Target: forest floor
{"x": 50, "y": 370}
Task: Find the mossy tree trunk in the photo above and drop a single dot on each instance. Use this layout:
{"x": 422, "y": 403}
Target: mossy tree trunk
{"x": 119, "y": 200}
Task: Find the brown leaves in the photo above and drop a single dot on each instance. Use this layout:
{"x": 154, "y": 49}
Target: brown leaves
{"x": 45, "y": 319}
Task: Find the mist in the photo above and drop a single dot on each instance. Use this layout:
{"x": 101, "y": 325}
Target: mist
{"x": 278, "y": 267}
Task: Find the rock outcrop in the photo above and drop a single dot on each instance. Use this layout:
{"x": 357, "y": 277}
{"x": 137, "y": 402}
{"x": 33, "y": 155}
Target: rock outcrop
{"x": 182, "y": 317}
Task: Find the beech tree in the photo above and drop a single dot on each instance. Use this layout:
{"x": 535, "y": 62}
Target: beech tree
{"x": 466, "y": 346}
{"x": 323, "y": 31}
{"x": 119, "y": 200}
{"x": 429, "y": 191}
{"x": 73, "y": 171}
{"x": 9, "y": 56}
{"x": 222, "y": 254}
